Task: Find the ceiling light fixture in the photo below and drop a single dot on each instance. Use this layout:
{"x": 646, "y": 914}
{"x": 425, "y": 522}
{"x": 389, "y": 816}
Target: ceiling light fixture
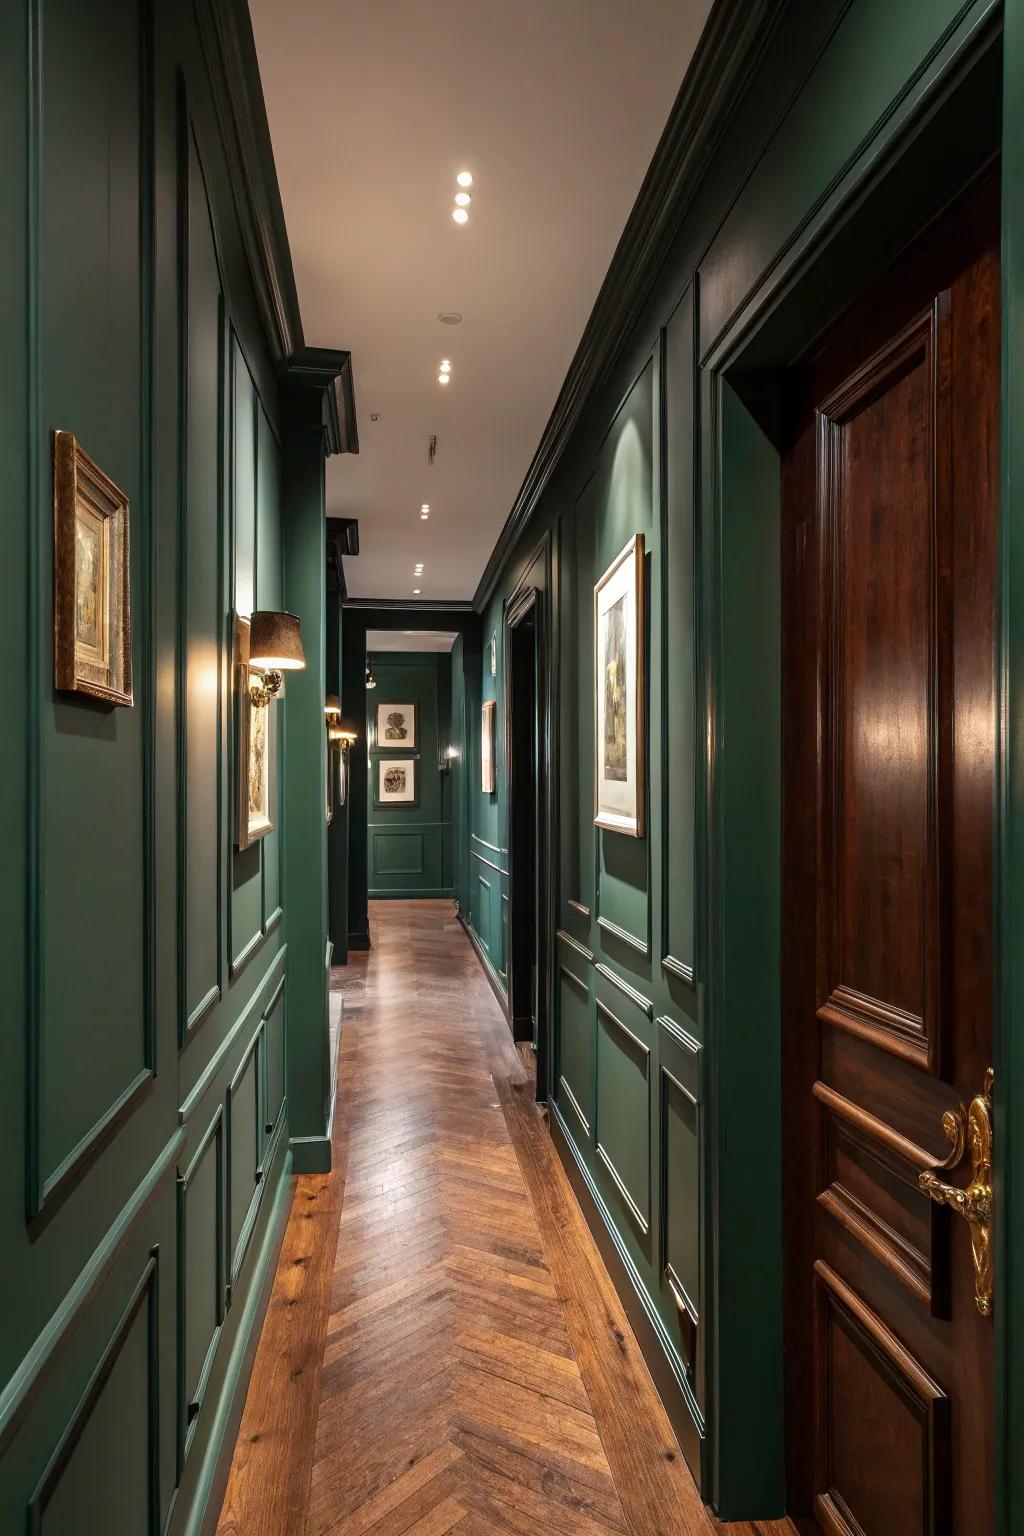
{"x": 465, "y": 178}
{"x": 450, "y": 317}
{"x": 416, "y": 591}
{"x": 462, "y": 199}
{"x": 460, "y": 215}
{"x": 444, "y": 378}
{"x": 446, "y": 366}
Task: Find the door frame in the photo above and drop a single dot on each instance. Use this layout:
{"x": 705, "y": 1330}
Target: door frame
{"x": 527, "y": 603}
{"x": 923, "y": 155}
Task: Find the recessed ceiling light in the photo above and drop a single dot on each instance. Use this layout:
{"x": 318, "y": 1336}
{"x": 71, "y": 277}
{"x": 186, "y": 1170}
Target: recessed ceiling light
{"x": 425, "y": 507}
{"x": 465, "y": 178}
{"x": 416, "y": 591}
{"x": 450, "y": 317}
{"x": 462, "y": 199}
{"x": 424, "y": 517}
{"x": 446, "y": 366}
{"x": 460, "y": 215}
{"x": 444, "y": 378}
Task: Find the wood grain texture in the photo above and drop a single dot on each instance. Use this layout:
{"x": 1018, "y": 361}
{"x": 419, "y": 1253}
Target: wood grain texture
{"x": 444, "y": 1349}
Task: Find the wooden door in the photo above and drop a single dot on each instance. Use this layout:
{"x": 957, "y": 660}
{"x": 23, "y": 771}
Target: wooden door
{"x": 890, "y": 486}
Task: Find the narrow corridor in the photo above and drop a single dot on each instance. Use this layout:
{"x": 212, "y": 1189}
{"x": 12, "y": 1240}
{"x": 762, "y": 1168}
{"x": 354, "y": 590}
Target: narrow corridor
{"x": 478, "y": 1374}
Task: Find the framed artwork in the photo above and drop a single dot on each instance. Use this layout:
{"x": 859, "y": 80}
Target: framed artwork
{"x": 396, "y": 782}
{"x": 396, "y": 726}
{"x": 92, "y": 624}
{"x": 494, "y": 655}
{"x": 620, "y": 748}
{"x": 487, "y": 780}
{"x": 256, "y": 755}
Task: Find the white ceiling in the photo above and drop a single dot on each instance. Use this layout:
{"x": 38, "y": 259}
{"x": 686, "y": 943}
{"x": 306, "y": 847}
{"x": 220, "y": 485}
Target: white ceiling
{"x": 556, "y": 107}
{"x": 408, "y": 640}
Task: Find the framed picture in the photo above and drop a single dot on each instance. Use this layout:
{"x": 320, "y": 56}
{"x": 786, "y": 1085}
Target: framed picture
{"x": 92, "y": 623}
{"x": 256, "y": 757}
{"x": 494, "y": 655}
{"x": 487, "y": 780}
{"x": 396, "y": 726}
{"x": 396, "y": 782}
{"x": 620, "y": 749}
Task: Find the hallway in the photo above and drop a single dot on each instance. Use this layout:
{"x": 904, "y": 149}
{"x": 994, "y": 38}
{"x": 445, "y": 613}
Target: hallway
{"x": 478, "y": 1374}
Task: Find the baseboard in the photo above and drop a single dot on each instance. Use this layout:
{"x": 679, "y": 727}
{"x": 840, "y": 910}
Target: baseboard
{"x": 438, "y": 893}
{"x": 489, "y": 971}
{"x": 635, "y": 1302}
{"x": 359, "y": 940}
{"x": 312, "y": 1154}
{"x": 213, "y": 1480}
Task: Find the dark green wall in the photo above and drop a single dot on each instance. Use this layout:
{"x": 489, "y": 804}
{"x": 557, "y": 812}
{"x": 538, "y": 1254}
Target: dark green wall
{"x": 146, "y": 1096}
{"x": 409, "y": 848}
{"x": 663, "y": 953}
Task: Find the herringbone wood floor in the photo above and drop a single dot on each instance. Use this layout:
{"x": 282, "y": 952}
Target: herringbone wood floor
{"x": 465, "y": 1298}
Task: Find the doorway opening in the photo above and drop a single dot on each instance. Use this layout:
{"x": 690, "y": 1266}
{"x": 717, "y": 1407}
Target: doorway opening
{"x": 524, "y": 653}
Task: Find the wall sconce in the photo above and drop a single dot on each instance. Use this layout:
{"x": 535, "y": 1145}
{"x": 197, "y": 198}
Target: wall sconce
{"x": 275, "y": 646}
{"x": 371, "y": 681}
{"x": 332, "y": 710}
{"x": 447, "y": 758}
{"x": 342, "y": 736}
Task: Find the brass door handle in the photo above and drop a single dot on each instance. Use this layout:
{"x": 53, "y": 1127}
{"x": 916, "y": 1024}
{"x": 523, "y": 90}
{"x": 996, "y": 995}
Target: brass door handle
{"x": 971, "y": 1127}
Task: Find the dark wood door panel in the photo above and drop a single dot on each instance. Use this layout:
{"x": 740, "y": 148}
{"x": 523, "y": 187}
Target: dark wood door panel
{"x": 890, "y": 495}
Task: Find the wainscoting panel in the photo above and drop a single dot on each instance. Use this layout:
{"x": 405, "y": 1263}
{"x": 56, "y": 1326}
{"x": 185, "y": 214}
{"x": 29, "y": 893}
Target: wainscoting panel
{"x": 574, "y": 1047}
{"x": 245, "y": 1136}
{"x": 201, "y": 1272}
{"x": 623, "y": 1118}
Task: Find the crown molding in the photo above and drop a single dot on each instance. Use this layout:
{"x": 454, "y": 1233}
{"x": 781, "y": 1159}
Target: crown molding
{"x": 230, "y": 51}
{"x": 416, "y": 605}
{"x": 732, "y": 43}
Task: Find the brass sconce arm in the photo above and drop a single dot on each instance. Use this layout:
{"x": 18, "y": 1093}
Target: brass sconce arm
{"x": 266, "y": 689}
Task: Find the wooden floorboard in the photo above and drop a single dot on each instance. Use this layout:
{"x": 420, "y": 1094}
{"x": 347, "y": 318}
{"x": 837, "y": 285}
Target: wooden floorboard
{"x": 444, "y": 1350}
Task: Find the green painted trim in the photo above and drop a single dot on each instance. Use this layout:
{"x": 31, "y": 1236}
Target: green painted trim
{"x": 414, "y": 893}
{"x": 252, "y": 1053}
{"x": 145, "y": 1291}
{"x": 24, "y": 1385}
{"x": 188, "y": 1411}
{"x": 213, "y": 1475}
{"x": 631, "y": 940}
{"x": 311, "y": 1154}
{"x": 668, "y": 1367}
{"x": 216, "y": 1062}
{"x": 636, "y": 998}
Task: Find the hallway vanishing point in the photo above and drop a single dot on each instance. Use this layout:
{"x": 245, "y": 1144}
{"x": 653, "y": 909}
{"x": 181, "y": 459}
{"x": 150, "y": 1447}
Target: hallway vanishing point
{"x": 444, "y": 1350}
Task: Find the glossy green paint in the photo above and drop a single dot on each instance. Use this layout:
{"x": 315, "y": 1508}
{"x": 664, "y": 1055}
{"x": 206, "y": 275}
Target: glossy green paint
{"x": 410, "y": 847}
{"x": 146, "y": 1123}
{"x": 801, "y": 208}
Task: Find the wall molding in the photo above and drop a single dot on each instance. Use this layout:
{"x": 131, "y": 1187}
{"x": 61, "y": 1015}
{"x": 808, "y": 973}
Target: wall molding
{"x": 145, "y": 1292}
{"x": 732, "y": 43}
{"x": 643, "y": 1003}
{"x": 26, "y": 1381}
{"x": 623, "y": 935}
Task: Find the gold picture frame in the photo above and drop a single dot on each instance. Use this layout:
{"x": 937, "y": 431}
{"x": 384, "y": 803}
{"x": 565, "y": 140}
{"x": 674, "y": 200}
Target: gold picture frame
{"x": 620, "y": 686}
{"x": 256, "y": 766}
{"x": 488, "y": 781}
{"x": 92, "y": 621}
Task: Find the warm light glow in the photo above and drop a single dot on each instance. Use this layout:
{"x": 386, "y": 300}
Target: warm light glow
{"x": 446, "y": 366}
{"x": 425, "y": 507}
{"x": 462, "y": 199}
{"x": 465, "y": 178}
{"x": 424, "y": 516}
{"x": 415, "y": 591}
{"x": 460, "y": 215}
{"x": 444, "y": 378}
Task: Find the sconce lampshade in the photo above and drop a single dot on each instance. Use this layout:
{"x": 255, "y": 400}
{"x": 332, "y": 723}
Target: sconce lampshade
{"x": 348, "y": 731}
{"x": 275, "y": 641}
{"x": 332, "y": 707}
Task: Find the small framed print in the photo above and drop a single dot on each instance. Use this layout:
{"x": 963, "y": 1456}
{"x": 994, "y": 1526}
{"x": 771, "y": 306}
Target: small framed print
{"x": 396, "y": 727}
{"x": 487, "y": 775}
{"x": 619, "y": 682}
{"x": 396, "y": 782}
{"x": 494, "y": 655}
{"x": 92, "y": 624}
{"x": 256, "y": 757}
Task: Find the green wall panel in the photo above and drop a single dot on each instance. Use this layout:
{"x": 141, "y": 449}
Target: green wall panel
{"x": 407, "y": 845}
{"x": 203, "y": 617}
{"x": 622, "y": 1131}
{"x": 574, "y": 1052}
{"x": 245, "y": 912}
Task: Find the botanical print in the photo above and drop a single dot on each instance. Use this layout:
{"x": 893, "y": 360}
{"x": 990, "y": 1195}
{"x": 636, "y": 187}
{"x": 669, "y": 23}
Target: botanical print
{"x": 394, "y": 781}
{"x": 616, "y": 691}
{"x": 395, "y": 728}
{"x": 88, "y": 557}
